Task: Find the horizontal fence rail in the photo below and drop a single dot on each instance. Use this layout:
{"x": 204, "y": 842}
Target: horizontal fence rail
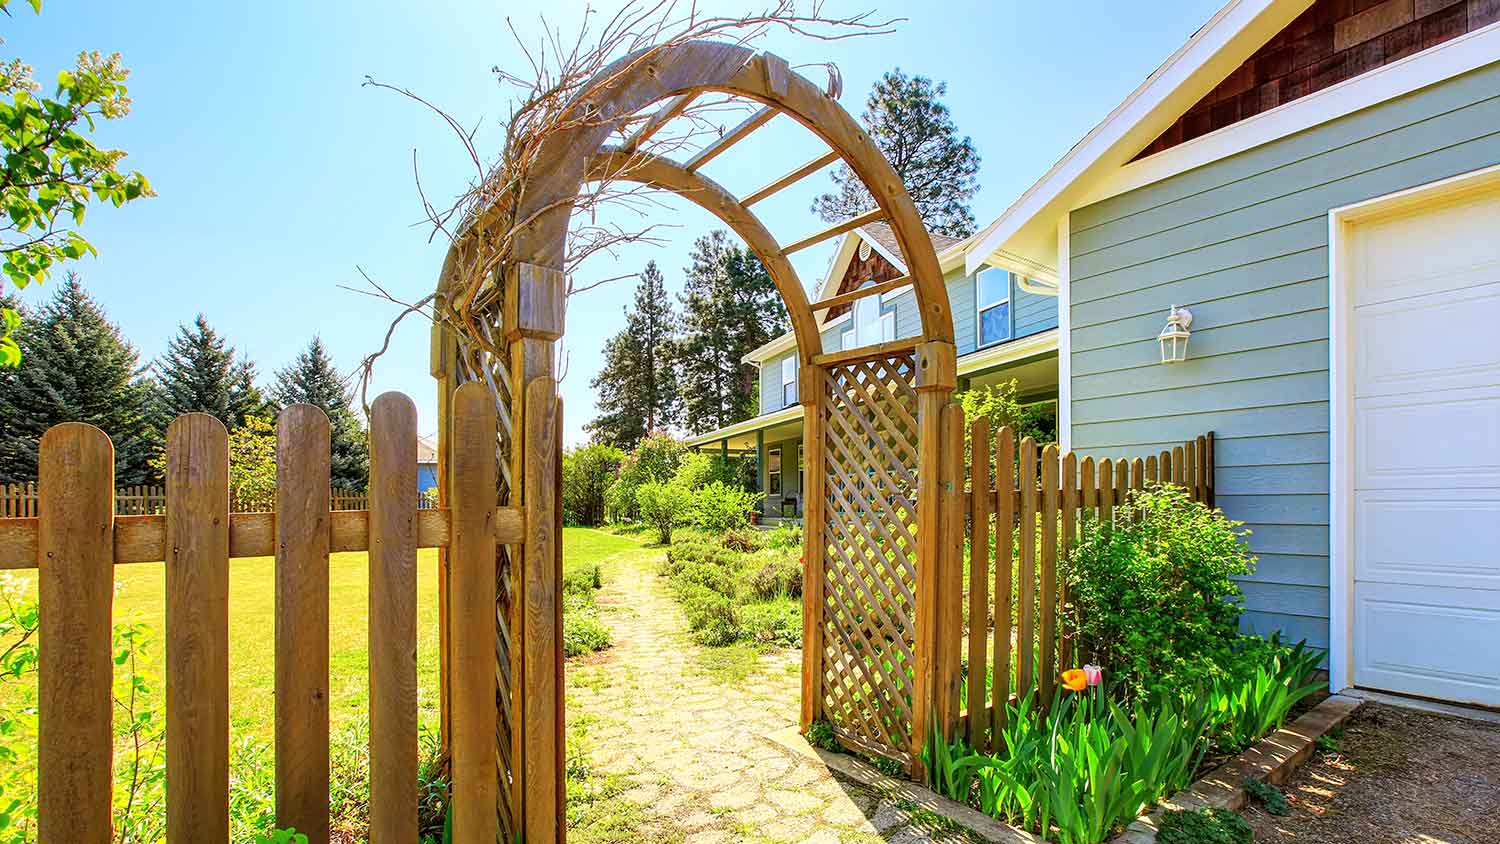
{"x": 76, "y": 536}
{"x": 1026, "y": 514}
{"x": 20, "y": 500}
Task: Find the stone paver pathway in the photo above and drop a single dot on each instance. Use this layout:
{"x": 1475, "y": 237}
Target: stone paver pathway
{"x": 690, "y": 745}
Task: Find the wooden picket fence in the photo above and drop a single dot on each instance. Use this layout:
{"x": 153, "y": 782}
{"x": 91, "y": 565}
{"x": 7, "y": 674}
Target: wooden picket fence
{"x": 75, "y": 538}
{"x": 1032, "y": 501}
{"x": 20, "y": 500}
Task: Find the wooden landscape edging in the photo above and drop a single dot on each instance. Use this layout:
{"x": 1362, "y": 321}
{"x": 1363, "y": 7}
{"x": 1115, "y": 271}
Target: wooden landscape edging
{"x": 143, "y": 539}
{"x": 1270, "y": 760}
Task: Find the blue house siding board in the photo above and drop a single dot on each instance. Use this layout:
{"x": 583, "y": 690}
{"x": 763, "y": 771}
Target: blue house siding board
{"x": 1143, "y": 351}
{"x": 1435, "y": 133}
{"x": 1307, "y": 265}
{"x": 1243, "y": 243}
{"x": 1034, "y": 312}
{"x": 1275, "y": 213}
{"x": 1215, "y": 369}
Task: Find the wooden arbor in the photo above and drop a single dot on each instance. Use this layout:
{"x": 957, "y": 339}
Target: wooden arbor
{"x": 872, "y": 417}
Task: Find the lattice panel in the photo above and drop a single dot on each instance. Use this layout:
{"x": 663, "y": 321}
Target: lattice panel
{"x": 869, "y": 547}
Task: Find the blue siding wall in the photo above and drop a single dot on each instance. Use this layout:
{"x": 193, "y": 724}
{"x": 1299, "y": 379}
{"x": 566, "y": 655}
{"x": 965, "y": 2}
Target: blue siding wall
{"x": 1243, "y": 242}
{"x": 770, "y": 372}
{"x": 1034, "y": 312}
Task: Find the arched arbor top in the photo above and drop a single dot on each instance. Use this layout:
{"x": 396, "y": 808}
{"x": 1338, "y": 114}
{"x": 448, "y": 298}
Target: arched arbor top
{"x": 535, "y": 226}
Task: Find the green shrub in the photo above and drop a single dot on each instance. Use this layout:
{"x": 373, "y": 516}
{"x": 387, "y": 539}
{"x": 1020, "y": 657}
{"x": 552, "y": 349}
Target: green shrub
{"x": 655, "y": 460}
{"x": 772, "y": 623}
{"x": 785, "y": 537}
{"x": 1203, "y": 826}
{"x": 711, "y": 614}
{"x": 696, "y": 551}
{"x": 588, "y": 473}
{"x": 583, "y": 632}
{"x": 582, "y": 577}
{"x": 720, "y": 508}
{"x": 665, "y": 507}
{"x": 775, "y": 577}
{"x": 1154, "y": 600}
{"x": 743, "y": 540}
{"x": 698, "y": 470}
{"x": 820, "y": 735}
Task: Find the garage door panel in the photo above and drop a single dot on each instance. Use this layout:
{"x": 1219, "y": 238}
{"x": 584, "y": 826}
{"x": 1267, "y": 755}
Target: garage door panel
{"x": 1431, "y": 440}
{"x": 1442, "y": 342}
{"x": 1442, "y": 248}
{"x": 1409, "y": 538}
{"x": 1430, "y": 642}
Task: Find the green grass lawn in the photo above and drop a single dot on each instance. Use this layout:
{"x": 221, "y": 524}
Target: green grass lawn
{"x": 139, "y": 590}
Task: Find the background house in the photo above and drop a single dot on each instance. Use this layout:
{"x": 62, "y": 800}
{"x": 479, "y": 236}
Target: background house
{"x": 1318, "y": 183}
{"x": 1006, "y": 328}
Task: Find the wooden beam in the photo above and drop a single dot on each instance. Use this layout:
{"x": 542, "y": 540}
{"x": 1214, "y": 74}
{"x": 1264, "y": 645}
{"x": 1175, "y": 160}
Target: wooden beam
{"x": 662, "y": 117}
{"x": 142, "y": 539}
{"x": 791, "y": 178}
{"x": 730, "y": 138}
{"x": 870, "y": 352}
{"x": 835, "y": 230}
{"x": 855, "y": 295}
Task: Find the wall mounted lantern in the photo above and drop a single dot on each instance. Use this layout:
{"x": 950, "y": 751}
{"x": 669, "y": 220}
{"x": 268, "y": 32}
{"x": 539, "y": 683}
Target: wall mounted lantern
{"x": 1174, "y": 337}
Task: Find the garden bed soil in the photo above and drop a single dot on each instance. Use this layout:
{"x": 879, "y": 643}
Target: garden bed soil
{"x": 1397, "y": 776}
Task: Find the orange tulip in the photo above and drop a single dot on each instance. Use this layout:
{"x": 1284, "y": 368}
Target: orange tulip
{"x": 1075, "y": 679}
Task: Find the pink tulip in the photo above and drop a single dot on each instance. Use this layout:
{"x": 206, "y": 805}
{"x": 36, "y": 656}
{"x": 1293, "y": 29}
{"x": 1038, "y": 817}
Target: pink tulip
{"x": 1094, "y": 674}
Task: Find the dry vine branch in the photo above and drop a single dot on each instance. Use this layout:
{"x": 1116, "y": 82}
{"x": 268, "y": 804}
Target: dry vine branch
{"x": 558, "y": 77}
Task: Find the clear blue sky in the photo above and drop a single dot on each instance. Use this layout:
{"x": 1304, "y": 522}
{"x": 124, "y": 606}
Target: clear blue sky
{"x": 278, "y": 173}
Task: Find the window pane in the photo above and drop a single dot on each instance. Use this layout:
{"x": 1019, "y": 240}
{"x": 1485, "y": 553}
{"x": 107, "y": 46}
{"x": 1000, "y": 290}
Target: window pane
{"x": 789, "y": 369}
{"x": 848, "y": 342}
{"x": 994, "y": 324}
{"x": 994, "y": 286}
{"x": 774, "y": 464}
{"x": 774, "y": 482}
{"x": 789, "y": 394}
{"x": 888, "y": 326}
{"x": 867, "y": 319}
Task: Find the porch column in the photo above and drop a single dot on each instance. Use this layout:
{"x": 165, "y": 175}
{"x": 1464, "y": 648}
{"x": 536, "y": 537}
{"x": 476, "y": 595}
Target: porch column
{"x": 760, "y": 464}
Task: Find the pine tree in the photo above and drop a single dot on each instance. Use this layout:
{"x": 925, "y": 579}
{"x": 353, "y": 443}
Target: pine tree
{"x": 201, "y": 373}
{"x": 313, "y": 379}
{"x": 637, "y": 388}
{"x": 913, "y": 129}
{"x": 77, "y": 368}
{"x": 730, "y": 306}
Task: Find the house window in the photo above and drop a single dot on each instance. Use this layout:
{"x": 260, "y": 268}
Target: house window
{"x": 773, "y": 472}
{"x": 868, "y": 325}
{"x": 789, "y": 381}
{"x": 994, "y": 306}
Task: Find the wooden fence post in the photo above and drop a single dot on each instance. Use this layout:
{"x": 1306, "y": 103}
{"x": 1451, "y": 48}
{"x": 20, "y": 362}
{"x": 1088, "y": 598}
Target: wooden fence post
{"x": 1005, "y": 520}
{"x": 302, "y": 519}
{"x": 1026, "y": 574}
{"x": 951, "y": 590}
{"x": 75, "y": 589}
{"x": 936, "y": 374}
{"x": 472, "y": 615}
{"x": 393, "y": 620}
{"x": 813, "y": 393}
{"x": 197, "y": 546}
{"x": 543, "y": 686}
{"x": 1047, "y": 634}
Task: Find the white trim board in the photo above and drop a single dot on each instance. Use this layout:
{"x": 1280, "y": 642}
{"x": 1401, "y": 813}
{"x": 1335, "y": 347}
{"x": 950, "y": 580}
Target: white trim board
{"x": 1064, "y": 336}
{"x": 1341, "y": 368}
{"x": 1461, "y": 55}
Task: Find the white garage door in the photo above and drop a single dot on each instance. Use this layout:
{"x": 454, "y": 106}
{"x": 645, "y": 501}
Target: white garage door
{"x": 1427, "y": 450}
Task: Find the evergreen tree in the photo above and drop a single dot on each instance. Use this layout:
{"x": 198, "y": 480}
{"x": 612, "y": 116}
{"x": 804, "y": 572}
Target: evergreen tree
{"x": 637, "y": 388}
{"x": 78, "y": 369}
{"x": 730, "y": 306}
{"x": 913, "y": 129}
{"x": 313, "y": 379}
{"x": 201, "y": 373}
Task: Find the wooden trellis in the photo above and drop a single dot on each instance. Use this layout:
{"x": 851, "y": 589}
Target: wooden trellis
{"x": 880, "y": 405}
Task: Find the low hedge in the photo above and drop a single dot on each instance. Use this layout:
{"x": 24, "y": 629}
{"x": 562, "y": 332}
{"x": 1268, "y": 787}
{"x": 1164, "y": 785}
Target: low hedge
{"x": 732, "y": 595}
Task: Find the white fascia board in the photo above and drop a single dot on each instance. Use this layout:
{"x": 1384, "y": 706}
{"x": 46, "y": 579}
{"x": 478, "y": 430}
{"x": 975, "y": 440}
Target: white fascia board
{"x": 748, "y": 426}
{"x": 1230, "y": 36}
{"x": 1009, "y": 352}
